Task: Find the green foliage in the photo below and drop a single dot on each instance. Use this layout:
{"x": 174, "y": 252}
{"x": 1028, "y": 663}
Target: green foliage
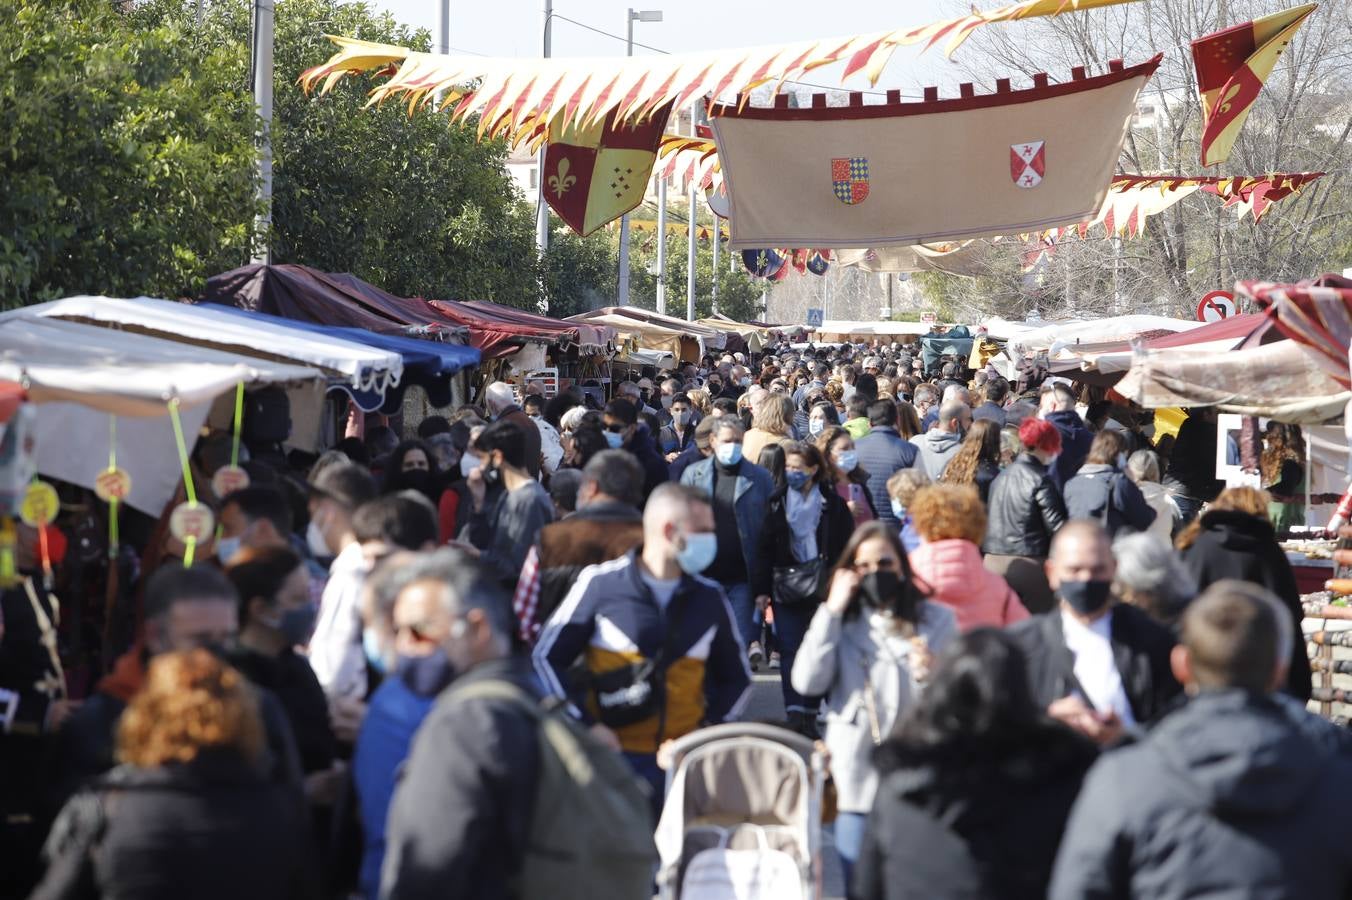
{"x": 580, "y": 273}
{"x": 124, "y": 167}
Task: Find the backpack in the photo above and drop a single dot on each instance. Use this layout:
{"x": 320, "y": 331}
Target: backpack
{"x": 762, "y": 874}
{"x": 591, "y": 833}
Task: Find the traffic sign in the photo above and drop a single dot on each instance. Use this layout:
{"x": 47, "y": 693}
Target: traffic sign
{"x": 1216, "y": 306}
{"x": 814, "y": 318}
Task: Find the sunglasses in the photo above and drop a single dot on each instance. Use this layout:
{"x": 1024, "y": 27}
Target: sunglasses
{"x": 417, "y": 630}
{"x": 616, "y": 428}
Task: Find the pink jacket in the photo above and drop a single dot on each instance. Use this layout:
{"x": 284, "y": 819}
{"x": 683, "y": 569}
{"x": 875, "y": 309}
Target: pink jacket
{"x": 954, "y": 575}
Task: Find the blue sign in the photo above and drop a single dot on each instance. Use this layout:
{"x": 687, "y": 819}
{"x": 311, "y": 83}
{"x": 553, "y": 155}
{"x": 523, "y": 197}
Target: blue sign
{"x": 814, "y": 318}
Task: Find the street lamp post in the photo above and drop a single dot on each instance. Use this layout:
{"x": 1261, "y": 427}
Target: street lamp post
{"x": 622, "y": 283}
{"x": 262, "y": 86}
{"x": 541, "y": 206}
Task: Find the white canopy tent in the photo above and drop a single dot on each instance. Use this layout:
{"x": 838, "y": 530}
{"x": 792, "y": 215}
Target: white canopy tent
{"x": 847, "y": 329}
{"x": 362, "y": 367}
{"x": 80, "y": 376}
{"x": 1116, "y": 329}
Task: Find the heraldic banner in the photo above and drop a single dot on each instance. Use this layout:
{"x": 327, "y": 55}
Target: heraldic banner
{"x": 596, "y": 173}
{"x": 896, "y": 174}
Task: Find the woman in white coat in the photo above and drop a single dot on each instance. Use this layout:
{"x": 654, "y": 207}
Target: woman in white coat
{"x": 867, "y": 652}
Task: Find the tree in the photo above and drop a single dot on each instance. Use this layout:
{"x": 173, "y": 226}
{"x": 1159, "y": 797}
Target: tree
{"x": 1301, "y": 122}
{"x": 124, "y": 166}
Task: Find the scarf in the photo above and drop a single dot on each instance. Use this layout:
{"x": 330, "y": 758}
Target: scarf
{"x": 803, "y": 515}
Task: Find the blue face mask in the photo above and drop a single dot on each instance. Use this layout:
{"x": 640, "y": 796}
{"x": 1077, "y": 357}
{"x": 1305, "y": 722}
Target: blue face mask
{"x": 796, "y": 480}
{"x": 616, "y": 441}
{"x": 729, "y": 454}
{"x": 898, "y": 510}
{"x": 847, "y": 460}
{"x": 698, "y": 553}
{"x": 374, "y": 655}
{"x": 297, "y": 624}
{"x": 816, "y": 426}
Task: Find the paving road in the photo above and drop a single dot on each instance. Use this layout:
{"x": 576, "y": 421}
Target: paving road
{"x": 767, "y": 704}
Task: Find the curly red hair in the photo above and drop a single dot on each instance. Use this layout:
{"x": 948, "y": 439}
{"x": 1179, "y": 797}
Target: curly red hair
{"x": 1037, "y": 434}
{"x": 944, "y": 512}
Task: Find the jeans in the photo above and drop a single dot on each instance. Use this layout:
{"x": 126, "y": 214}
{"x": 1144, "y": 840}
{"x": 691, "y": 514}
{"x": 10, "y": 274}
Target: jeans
{"x": 849, "y": 841}
{"x": 790, "y": 627}
{"x": 645, "y": 767}
{"x": 743, "y": 612}
{"x": 1188, "y": 509}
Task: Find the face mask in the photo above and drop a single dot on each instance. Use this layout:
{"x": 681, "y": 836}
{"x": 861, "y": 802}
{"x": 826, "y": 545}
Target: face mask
{"x": 882, "y": 590}
{"x": 296, "y": 625}
{"x": 228, "y": 548}
{"x": 491, "y": 474}
{"x": 666, "y": 401}
{"x": 746, "y": 381}
{"x": 616, "y": 441}
{"x": 681, "y": 418}
{"x": 1122, "y": 461}
{"x": 427, "y": 675}
{"x": 698, "y": 553}
{"x": 1085, "y": 597}
{"x": 898, "y": 510}
{"x": 468, "y": 463}
{"x": 729, "y": 454}
{"x": 847, "y": 460}
{"x": 797, "y": 480}
{"x": 816, "y": 426}
{"x": 370, "y": 643}
{"x": 314, "y": 539}
{"x": 419, "y": 480}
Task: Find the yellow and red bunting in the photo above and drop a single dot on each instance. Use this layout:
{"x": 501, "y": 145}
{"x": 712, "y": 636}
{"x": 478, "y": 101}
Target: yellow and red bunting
{"x": 1232, "y": 66}
{"x": 519, "y": 100}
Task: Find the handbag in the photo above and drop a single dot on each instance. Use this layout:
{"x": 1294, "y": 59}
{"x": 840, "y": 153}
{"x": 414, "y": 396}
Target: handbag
{"x": 800, "y": 584}
{"x": 634, "y": 693}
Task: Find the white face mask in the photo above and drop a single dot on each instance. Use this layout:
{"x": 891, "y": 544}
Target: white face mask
{"x": 681, "y": 417}
{"x": 468, "y": 463}
{"x": 314, "y": 539}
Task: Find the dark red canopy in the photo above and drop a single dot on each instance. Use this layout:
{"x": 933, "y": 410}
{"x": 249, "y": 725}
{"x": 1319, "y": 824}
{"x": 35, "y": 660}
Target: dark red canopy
{"x": 498, "y": 330}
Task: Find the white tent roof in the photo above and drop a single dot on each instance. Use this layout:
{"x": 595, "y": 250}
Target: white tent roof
{"x": 123, "y": 373}
{"x": 1115, "y": 329}
{"x": 363, "y": 367}
{"x": 848, "y": 328}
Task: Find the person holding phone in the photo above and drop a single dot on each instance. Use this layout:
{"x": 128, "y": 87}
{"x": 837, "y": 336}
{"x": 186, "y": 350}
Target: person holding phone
{"x": 1099, "y": 666}
{"x": 842, "y": 464}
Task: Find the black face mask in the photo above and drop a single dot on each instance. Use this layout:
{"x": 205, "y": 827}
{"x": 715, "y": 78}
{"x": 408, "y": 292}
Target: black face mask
{"x": 883, "y": 590}
{"x": 427, "y": 675}
{"x": 1085, "y": 597}
{"x": 420, "y": 480}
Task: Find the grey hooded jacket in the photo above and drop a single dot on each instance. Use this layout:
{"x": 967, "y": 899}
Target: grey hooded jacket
{"x": 935, "y": 448}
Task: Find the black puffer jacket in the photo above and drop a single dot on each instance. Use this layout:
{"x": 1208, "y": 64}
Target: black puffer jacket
{"x": 1234, "y": 544}
{"x": 1226, "y": 797}
{"x": 1024, "y": 510}
{"x": 211, "y": 828}
{"x": 972, "y": 819}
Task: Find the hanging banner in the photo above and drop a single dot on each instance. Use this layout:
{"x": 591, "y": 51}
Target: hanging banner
{"x": 897, "y": 174}
{"x": 1232, "y": 66}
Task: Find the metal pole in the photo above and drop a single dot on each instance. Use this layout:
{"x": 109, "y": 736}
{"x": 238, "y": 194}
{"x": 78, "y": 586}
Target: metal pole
{"x": 713, "y": 268}
{"x": 622, "y": 282}
{"x": 541, "y": 206}
{"x": 692, "y": 248}
{"x": 661, "y": 245}
{"x": 444, "y": 33}
{"x": 262, "y": 86}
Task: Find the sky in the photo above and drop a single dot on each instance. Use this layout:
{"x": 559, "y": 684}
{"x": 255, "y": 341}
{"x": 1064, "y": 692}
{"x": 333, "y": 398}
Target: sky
{"x": 513, "y": 28}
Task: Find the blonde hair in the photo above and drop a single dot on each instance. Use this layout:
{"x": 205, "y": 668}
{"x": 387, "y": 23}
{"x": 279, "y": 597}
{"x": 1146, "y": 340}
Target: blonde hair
{"x": 904, "y": 484}
{"x": 774, "y": 414}
{"x": 191, "y": 702}
{"x": 699, "y": 398}
{"x": 1237, "y": 499}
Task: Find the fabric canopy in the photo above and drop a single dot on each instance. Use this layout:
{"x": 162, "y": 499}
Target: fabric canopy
{"x": 639, "y": 335}
{"x": 1278, "y": 380}
{"x": 846, "y": 328}
{"x": 709, "y": 338}
{"x": 1316, "y": 314}
{"x": 501, "y": 330}
{"x": 358, "y": 365}
{"x": 429, "y": 364}
{"x": 1110, "y": 330}
{"x": 308, "y": 295}
{"x": 1114, "y": 358}
{"x": 968, "y": 258}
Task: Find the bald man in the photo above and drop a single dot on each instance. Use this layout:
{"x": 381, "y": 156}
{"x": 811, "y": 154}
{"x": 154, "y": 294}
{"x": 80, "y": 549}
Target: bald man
{"x": 651, "y": 605}
{"x": 1100, "y": 666}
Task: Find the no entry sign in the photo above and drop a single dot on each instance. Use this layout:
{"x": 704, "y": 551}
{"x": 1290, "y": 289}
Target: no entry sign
{"x": 1216, "y": 306}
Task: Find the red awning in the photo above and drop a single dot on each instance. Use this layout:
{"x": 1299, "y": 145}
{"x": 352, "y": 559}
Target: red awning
{"x": 499, "y": 330}
{"x": 1237, "y": 327}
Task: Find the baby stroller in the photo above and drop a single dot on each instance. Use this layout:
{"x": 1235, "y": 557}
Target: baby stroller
{"x": 742, "y": 817}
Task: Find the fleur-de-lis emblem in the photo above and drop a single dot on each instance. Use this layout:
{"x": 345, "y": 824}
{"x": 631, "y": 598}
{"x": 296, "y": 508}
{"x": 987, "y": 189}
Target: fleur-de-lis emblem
{"x": 560, "y": 182}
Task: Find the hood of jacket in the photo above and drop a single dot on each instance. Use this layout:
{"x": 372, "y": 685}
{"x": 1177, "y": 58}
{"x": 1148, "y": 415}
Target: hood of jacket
{"x": 1096, "y": 469}
{"x": 948, "y": 566}
{"x": 1240, "y": 751}
{"x": 936, "y": 441}
{"x": 1239, "y": 531}
{"x": 1071, "y": 426}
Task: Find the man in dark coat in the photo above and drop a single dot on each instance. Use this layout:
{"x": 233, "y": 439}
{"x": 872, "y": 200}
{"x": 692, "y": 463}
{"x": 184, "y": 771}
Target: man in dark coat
{"x": 502, "y": 406}
{"x": 625, "y": 432}
{"x": 1101, "y": 667}
{"x": 460, "y": 820}
{"x": 1058, "y": 407}
{"x": 699, "y": 449}
{"x": 1229, "y": 796}
{"x": 1236, "y": 544}
{"x": 882, "y": 453}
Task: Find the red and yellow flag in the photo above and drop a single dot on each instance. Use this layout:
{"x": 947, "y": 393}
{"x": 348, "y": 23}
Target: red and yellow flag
{"x": 1232, "y": 66}
{"x": 599, "y": 171}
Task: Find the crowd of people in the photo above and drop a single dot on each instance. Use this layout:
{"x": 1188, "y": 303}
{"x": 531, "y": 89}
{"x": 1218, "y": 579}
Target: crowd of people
{"x": 1043, "y": 650}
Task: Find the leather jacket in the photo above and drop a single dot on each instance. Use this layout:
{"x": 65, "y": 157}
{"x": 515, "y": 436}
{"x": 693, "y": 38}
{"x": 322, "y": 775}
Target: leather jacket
{"x": 1024, "y": 511}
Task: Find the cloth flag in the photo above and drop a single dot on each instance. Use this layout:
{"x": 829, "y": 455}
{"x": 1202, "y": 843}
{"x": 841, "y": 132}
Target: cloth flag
{"x": 1232, "y": 66}
{"x": 597, "y": 173}
{"x": 903, "y": 173}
